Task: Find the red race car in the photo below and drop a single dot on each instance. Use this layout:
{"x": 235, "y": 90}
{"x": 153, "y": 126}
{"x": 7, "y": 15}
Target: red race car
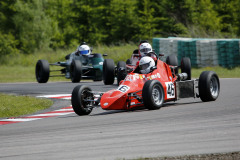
{"x": 151, "y": 90}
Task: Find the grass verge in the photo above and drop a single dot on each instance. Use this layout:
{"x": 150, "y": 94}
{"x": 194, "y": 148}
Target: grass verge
{"x": 214, "y": 156}
{"x": 10, "y": 74}
{"x": 12, "y": 106}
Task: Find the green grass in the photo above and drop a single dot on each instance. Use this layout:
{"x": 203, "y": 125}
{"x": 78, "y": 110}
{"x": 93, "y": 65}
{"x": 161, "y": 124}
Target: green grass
{"x": 21, "y": 67}
{"x": 12, "y": 105}
{"x": 221, "y": 72}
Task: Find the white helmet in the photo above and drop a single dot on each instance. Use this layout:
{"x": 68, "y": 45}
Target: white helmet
{"x": 145, "y": 48}
{"x": 84, "y": 49}
{"x": 145, "y": 64}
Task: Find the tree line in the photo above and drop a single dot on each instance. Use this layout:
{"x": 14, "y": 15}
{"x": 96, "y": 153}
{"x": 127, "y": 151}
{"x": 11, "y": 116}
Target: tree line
{"x": 30, "y": 25}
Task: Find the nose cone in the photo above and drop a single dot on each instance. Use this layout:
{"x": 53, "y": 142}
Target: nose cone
{"x": 114, "y": 100}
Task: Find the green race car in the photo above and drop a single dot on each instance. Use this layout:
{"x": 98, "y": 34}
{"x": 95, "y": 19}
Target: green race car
{"x": 81, "y": 64}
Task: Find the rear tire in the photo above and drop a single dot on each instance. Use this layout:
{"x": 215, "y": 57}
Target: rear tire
{"x": 186, "y": 67}
{"x": 108, "y": 71}
{"x": 76, "y": 71}
{"x": 173, "y": 61}
{"x": 153, "y": 94}
{"x": 121, "y": 74}
{"x": 208, "y": 86}
{"x": 42, "y": 71}
{"x": 79, "y": 96}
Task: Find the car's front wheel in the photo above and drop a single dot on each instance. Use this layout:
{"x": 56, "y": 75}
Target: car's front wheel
{"x": 82, "y": 100}
{"x": 153, "y": 94}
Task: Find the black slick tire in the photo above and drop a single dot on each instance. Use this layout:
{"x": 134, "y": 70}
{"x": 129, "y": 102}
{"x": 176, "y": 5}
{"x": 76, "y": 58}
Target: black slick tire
{"x": 208, "y": 86}
{"x": 42, "y": 71}
{"x": 108, "y": 71}
{"x": 80, "y": 94}
{"x": 121, "y": 74}
{"x": 186, "y": 67}
{"x": 76, "y": 71}
{"x": 153, "y": 94}
{"x": 173, "y": 61}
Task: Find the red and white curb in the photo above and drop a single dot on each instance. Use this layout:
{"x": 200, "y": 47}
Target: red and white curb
{"x": 59, "y": 112}
{"x": 57, "y": 96}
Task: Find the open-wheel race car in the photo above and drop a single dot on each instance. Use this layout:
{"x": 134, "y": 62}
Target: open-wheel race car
{"x": 80, "y": 64}
{"x": 150, "y": 90}
{"x": 110, "y": 71}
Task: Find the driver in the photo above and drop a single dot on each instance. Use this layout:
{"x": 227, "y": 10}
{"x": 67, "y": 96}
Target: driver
{"x": 83, "y": 49}
{"x": 145, "y": 64}
{"x": 82, "y": 52}
{"x": 143, "y": 49}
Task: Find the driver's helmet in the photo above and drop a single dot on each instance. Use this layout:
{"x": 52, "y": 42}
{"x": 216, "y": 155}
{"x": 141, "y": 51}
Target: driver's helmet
{"x": 145, "y": 48}
{"x": 145, "y": 64}
{"x": 84, "y": 49}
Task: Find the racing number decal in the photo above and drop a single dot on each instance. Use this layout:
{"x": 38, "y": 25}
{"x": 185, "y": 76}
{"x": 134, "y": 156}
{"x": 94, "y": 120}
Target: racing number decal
{"x": 170, "y": 90}
{"x": 123, "y": 88}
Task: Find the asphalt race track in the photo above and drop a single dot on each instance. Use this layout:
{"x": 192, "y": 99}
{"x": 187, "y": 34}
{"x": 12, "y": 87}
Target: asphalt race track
{"x": 188, "y": 126}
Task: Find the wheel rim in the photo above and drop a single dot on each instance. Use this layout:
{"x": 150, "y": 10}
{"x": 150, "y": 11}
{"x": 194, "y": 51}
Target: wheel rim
{"x": 214, "y": 88}
{"x": 87, "y": 100}
{"x": 157, "y": 95}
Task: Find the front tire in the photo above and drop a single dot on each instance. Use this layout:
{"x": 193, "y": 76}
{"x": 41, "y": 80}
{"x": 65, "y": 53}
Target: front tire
{"x": 82, "y": 100}
{"x": 42, "y": 71}
{"x": 153, "y": 94}
{"x": 108, "y": 71}
{"x": 76, "y": 71}
{"x": 208, "y": 86}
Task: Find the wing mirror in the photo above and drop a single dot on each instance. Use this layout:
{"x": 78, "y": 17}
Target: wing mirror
{"x": 105, "y": 55}
{"x": 153, "y": 68}
{"x": 161, "y": 54}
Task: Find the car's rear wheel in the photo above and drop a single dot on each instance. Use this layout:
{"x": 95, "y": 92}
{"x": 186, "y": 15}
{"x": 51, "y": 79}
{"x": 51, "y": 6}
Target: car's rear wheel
{"x": 153, "y": 94}
{"x": 173, "y": 61}
{"x": 186, "y": 67}
{"x": 208, "y": 86}
{"x": 82, "y": 100}
{"x": 121, "y": 71}
{"x": 76, "y": 71}
{"x": 42, "y": 71}
{"x": 108, "y": 71}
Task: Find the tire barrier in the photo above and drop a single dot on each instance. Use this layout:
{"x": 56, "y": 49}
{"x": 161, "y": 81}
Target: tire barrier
{"x": 202, "y": 52}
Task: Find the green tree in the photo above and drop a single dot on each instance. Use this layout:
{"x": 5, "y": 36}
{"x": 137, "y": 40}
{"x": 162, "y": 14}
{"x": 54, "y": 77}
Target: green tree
{"x": 33, "y": 27}
{"x": 207, "y": 18}
{"x": 228, "y": 11}
{"x": 123, "y": 21}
